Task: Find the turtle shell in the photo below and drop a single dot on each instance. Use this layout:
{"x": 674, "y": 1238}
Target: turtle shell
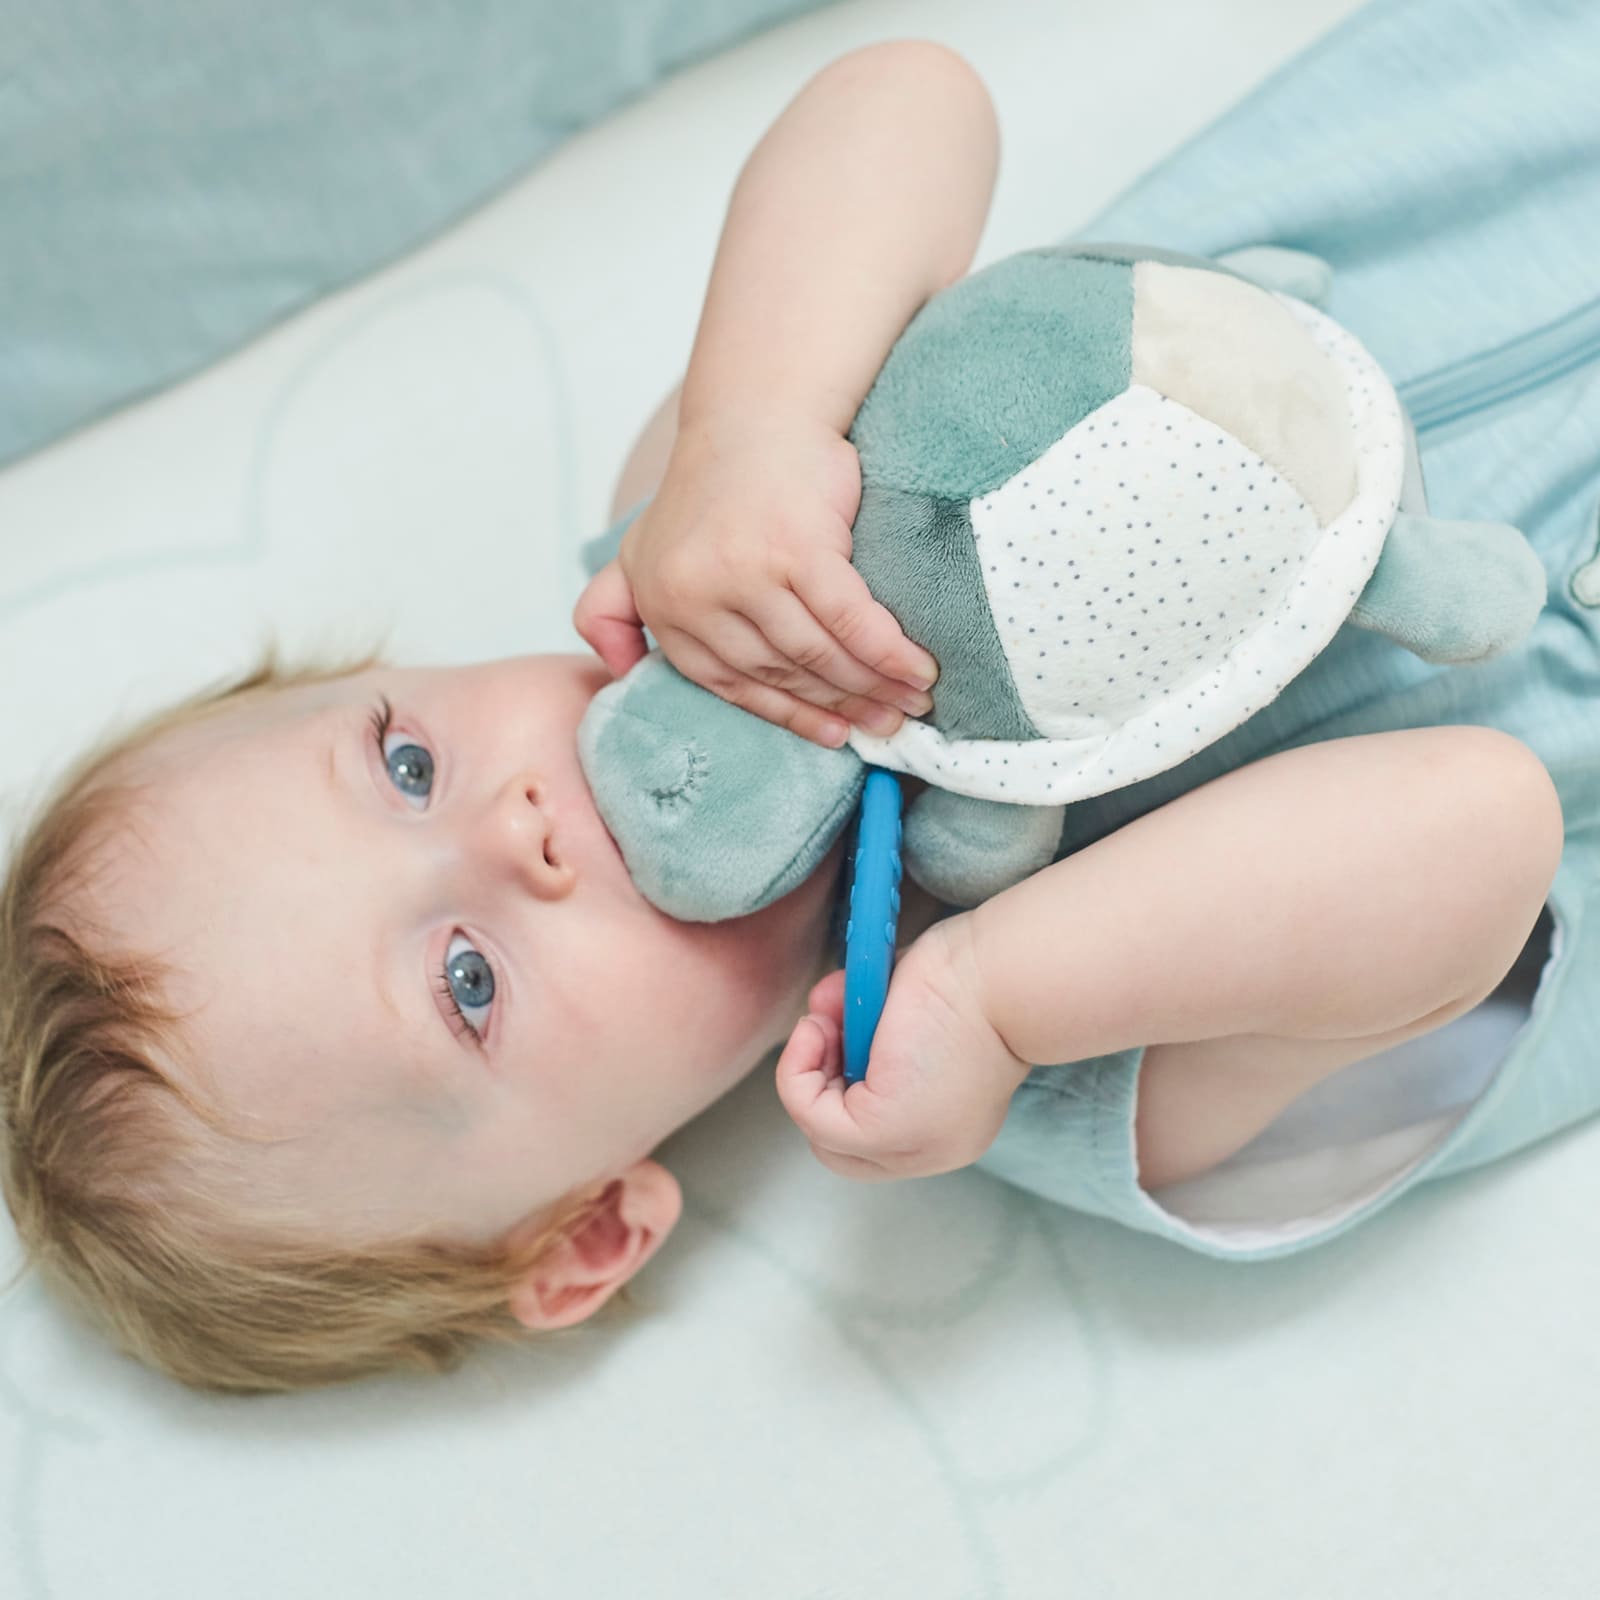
{"x": 1123, "y": 496}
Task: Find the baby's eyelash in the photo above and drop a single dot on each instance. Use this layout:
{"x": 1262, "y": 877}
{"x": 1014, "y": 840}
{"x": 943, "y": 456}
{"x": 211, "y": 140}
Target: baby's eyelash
{"x": 382, "y": 719}
{"x": 443, "y": 986}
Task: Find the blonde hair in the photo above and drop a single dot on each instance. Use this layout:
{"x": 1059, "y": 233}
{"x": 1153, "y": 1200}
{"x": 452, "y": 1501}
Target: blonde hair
{"x": 97, "y": 1154}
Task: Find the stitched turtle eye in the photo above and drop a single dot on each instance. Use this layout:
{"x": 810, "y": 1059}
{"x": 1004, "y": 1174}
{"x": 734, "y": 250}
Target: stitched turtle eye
{"x": 676, "y": 773}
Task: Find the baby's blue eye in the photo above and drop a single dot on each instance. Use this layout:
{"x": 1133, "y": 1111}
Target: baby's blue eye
{"x": 409, "y": 765}
{"x": 469, "y": 982}
{"x": 410, "y": 769}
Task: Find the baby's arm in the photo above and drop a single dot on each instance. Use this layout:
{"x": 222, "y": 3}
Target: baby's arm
{"x": 864, "y": 199}
{"x": 1256, "y": 933}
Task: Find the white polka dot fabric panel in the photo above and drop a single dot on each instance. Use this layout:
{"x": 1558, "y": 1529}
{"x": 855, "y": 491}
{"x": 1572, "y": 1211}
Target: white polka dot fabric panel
{"x": 1108, "y": 718}
{"x": 1129, "y": 557}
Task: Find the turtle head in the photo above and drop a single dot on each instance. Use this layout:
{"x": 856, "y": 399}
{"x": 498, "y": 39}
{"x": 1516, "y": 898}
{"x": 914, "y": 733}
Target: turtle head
{"x": 717, "y": 813}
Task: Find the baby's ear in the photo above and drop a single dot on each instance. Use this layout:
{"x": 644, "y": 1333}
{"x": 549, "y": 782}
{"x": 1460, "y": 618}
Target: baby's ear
{"x": 590, "y": 1263}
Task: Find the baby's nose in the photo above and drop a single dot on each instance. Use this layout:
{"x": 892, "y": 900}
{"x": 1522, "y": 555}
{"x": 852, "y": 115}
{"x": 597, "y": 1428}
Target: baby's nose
{"x": 523, "y": 837}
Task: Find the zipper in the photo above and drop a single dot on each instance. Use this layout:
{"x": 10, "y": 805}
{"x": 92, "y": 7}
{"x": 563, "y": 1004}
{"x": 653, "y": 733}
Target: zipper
{"x": 1492, "y": 376}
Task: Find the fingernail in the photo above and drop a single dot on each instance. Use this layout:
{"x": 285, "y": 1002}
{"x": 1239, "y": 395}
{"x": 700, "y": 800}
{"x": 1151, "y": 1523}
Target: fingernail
{"x": 915, "y": 705}
{"x": 835, "y": 734}
{"x": 881, "y": 720}
{"x": 922, "y": 678}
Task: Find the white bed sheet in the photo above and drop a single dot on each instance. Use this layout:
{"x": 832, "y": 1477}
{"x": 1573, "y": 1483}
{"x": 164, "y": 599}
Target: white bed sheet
{"x": 933, "y": 1389}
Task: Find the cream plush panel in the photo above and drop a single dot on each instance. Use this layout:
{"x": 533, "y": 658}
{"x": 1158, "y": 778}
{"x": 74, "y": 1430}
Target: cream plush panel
{"x": 931, "y": 1391}
{"x": 1233, "y": 355}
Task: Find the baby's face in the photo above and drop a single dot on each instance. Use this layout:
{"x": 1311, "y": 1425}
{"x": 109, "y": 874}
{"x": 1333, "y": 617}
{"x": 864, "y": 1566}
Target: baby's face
{"x": 416, "y": 958}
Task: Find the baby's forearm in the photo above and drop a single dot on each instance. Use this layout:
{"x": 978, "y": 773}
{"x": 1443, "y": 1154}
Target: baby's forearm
{"x": 1332, "y": 891}
{"x": 866, "y": 196}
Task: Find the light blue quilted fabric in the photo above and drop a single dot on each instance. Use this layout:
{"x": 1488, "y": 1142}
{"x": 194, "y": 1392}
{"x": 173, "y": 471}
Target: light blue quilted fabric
{"x": 178, "y": 175}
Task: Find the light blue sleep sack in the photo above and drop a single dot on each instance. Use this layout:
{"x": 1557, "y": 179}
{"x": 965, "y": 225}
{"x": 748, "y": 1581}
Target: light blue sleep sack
{"x": 1441, "y": 156}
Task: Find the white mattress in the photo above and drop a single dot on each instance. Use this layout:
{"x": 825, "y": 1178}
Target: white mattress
{"x": 940, "y": 1389}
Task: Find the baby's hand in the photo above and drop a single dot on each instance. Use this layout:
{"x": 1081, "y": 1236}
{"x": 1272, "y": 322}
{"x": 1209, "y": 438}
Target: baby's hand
{"x": 939, "y": 1080}
{"x": 740, "y": 566}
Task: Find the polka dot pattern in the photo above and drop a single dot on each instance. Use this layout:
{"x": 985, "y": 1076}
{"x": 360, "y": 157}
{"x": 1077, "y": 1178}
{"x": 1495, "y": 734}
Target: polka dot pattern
{"x": 1113, "y": 740}
{"x": 1131, "y": 557}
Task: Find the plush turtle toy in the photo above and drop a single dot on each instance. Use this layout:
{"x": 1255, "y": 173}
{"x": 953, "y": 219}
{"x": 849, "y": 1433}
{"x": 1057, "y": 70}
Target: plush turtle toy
{"x": 1123, "y": 496}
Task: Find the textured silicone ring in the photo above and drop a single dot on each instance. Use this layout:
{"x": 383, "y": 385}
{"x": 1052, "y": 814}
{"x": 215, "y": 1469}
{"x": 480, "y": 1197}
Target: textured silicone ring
{"x": 874, "y": 914}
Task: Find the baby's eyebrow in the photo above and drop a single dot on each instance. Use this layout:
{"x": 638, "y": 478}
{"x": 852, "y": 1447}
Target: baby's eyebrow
{"x": 385, "y": 994}
{"x": 339, "y": 793}
{"x": 424, "y": 1077}
{"x": 340, "y": 729}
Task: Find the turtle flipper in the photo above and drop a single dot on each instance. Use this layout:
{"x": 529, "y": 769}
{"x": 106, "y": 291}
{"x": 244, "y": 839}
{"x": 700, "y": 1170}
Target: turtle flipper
{"x": 1453, "y": 592}
{"x": 964, "y": 850}
{"x": 1271, "y": 266}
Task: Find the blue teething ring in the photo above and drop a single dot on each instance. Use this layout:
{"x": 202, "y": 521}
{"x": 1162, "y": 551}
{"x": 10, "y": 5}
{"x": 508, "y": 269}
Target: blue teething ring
{"x": 874, "y": 914}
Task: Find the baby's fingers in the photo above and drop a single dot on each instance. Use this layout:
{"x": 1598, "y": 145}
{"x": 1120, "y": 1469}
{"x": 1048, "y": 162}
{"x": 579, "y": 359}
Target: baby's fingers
{"x": 608, "y": 620}
{"x": 736, "y": 639}
{"x": 811, "y": 1086}
{"x": 827, "y": 998}
{"x": 794, "y": 633}
{"x": 703, "y": 666}
{"x": 838, "y": 597}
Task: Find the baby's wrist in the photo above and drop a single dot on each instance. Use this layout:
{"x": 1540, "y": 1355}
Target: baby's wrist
{"x": 768, "y": 461}
{"x": 731, "y": 428}
{"x": 986, "y": 991}
{"x": 963, "y": 934}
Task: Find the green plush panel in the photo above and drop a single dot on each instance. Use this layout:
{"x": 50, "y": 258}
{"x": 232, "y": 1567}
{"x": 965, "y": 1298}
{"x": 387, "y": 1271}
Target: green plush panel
{"x": 993, "y": 370}
{"x": 181, "y": 175}
{"x": 920, "y": 551}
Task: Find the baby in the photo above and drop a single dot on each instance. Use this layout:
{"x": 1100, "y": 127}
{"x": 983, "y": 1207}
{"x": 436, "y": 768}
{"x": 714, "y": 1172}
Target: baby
{"x": 334, "y": 1034}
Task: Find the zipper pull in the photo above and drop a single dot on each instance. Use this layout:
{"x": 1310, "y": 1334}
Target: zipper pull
{"x": 1585, "y": 583}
